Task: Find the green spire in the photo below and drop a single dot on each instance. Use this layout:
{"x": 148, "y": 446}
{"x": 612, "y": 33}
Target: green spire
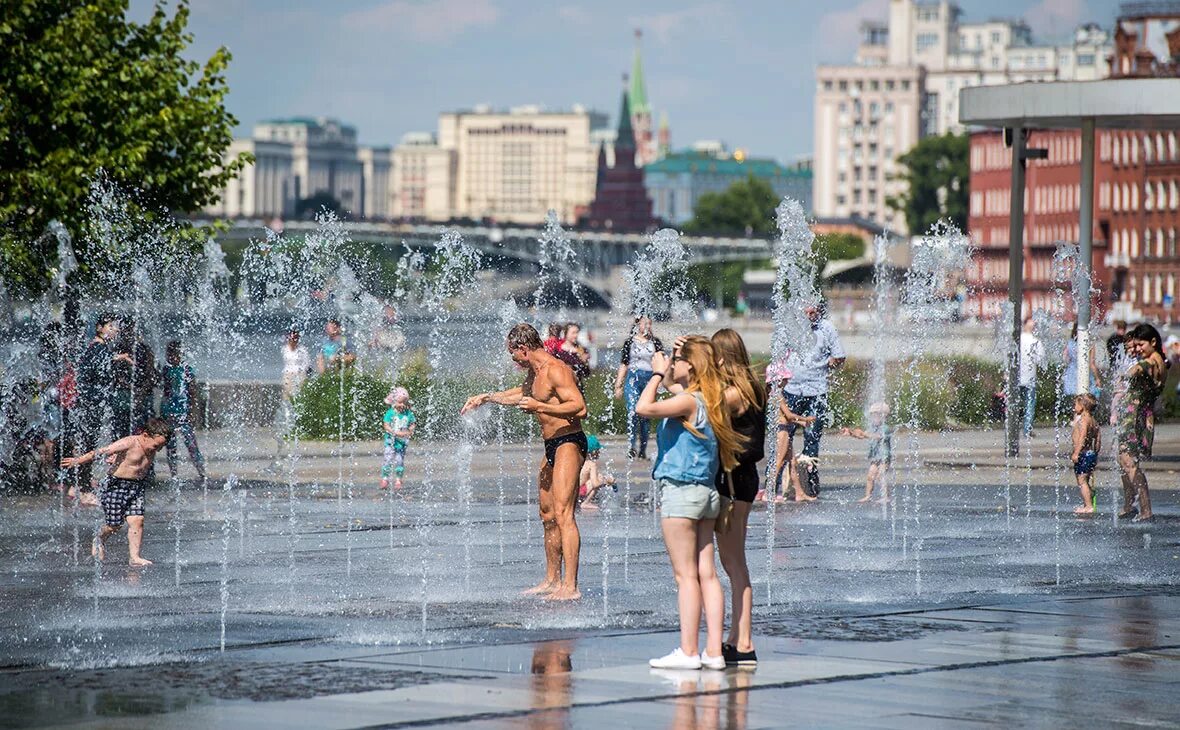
{"x": 625, "y": 136}
{"x": 639, "y": 103}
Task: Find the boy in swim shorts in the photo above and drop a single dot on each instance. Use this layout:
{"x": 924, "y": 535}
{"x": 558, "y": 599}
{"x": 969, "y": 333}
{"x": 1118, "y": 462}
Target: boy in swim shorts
{"x": 122, "y": 496}
{"x": 1087, "y": 442}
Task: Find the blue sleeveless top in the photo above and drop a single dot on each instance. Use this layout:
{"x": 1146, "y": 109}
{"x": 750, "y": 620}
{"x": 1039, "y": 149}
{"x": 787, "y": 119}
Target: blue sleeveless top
{"x": 683, "y": 456}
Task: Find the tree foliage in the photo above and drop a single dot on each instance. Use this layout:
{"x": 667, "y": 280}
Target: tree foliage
{"x": 84, "y": 89}
{"x": 747, "y": 206}
{"x": 936, "y": 174}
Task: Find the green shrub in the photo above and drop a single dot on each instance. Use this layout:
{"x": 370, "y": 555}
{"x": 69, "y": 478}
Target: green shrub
{"x": 343, "y": 403}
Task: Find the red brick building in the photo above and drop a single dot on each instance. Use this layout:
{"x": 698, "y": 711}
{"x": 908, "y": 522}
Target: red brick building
{"x": 620, "y": 197}
{"x": 1132, "y": 280}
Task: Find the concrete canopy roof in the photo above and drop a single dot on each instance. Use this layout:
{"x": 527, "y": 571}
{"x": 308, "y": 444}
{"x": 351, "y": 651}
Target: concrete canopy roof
{"x": 1112, "y": 103}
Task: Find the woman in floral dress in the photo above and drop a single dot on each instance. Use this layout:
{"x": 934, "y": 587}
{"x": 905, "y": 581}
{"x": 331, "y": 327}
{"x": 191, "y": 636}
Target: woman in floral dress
{"x": 1135, "y": 419}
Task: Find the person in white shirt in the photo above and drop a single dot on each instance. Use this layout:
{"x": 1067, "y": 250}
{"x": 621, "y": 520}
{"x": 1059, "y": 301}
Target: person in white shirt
{"x": 807, "y": 392}
{"x": 1032, "y": 354}
{"x": 296, "y": 363}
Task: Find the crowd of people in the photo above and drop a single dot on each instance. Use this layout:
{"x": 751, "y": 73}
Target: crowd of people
{"x": 710, "y": 401}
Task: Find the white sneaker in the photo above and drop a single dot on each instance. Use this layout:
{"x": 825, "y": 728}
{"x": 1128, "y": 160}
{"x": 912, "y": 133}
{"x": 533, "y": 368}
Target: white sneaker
{"x": 712, "y": 662}
{"x": 679, "y": 660}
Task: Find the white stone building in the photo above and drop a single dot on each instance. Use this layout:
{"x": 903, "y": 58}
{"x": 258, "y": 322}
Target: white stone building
{"x": 931, "y": 42}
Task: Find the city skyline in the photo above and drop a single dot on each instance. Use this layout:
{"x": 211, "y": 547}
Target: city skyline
{"x": 362, "y": 62}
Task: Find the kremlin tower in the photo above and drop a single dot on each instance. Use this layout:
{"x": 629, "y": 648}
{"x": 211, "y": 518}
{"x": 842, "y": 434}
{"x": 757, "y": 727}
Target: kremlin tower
{"x": 620, "y": 198}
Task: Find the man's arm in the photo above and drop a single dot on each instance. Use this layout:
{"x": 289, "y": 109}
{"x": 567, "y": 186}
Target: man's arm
{"x": 570, "y": 403}
{"x": 503, "y": 398}
{"x": 836, "y": 354}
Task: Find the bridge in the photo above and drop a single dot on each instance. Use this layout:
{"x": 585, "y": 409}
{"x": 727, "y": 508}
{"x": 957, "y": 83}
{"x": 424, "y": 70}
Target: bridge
{"x": 600, "y": 255}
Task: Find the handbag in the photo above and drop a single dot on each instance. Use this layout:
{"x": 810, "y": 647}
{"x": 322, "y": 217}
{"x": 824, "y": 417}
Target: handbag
{"x": 725, "y": 517}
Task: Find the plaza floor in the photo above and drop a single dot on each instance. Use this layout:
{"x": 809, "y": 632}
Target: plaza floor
{"x": 296, "y": 595}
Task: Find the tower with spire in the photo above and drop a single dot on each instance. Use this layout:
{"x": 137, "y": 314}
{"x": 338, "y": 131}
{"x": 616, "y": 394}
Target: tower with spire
{"x": 646, "y": 148}
{"x": 620, "y": 197}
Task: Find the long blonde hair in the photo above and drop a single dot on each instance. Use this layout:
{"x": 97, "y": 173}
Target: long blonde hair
{"x": 736, "y": 371}
{"x": 708, "y": 380}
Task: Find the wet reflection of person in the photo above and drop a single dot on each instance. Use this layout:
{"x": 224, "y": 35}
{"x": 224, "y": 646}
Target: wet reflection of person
{"x": 551, "y": 685}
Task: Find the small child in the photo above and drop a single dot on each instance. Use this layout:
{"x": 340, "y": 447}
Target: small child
{"x": 880, "y": 437}
{"x": 785, "y": 464}
{"x": 1087, "y": 442}
{"x": 398, "y": 424}
{"x": 591, "y": 479}
{"x": 122, "y": 495}
{"x": 176, "y": 407}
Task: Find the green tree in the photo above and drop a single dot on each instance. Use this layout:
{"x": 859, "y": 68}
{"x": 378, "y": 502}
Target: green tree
{"x": 836, "y": 247}
{"x": 84, "y": 89}
{"x": 747, "y": 206}
{"x": 936, "y": 176}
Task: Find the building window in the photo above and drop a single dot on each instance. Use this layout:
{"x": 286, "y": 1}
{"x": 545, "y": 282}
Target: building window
{"x": 926, "y": 41}
{"x": 827, "y": 85}
{"x": 1085, "y": 59}
{"x": 843, "y": 86}
{"x": 889, "y": 87}
{"x": 905, "y": 85}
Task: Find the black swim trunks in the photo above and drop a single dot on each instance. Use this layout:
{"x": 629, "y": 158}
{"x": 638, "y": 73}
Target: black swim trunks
{"x": 121, "y": 498}
{"x": 551, "y": 445}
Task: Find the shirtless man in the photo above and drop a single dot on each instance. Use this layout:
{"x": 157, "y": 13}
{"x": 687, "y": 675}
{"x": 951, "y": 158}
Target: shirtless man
{"x": 550, "y": 392}
{"x": 122, "y": 495}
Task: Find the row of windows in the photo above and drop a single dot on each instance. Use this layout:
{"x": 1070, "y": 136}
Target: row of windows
{"x": 1155, "y": 245}
{"x": 870, "y": 85}
{"x": 1156, "y": 196}
{"x": 1156, "y": 148}
{"x": 1154, "y": 289}
{"x": 517, "y": 129}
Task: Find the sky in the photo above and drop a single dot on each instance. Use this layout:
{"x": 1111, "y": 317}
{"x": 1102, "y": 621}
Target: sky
{"x": 741, "y": 71}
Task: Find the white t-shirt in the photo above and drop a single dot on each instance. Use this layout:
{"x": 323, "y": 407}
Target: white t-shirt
{"x": 1032, "y": 353}
{"x": 295, "y": 362}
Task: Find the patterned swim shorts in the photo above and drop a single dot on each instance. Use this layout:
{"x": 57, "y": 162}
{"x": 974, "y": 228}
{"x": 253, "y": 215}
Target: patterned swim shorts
{"x": 120, "y": 498}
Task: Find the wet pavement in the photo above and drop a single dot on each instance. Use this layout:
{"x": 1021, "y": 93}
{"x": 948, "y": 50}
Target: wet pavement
{"x": 302, "y": 597}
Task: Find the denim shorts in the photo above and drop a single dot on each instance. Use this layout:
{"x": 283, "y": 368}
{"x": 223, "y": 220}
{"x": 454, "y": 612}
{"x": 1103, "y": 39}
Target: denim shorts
{"x": 693, "y": 501}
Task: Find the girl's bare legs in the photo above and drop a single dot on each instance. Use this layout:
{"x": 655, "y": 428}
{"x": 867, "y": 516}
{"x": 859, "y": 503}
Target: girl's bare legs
{"x": 883, "y": 476}
{"x": 1140, "y": 482}
{"x": 712, "y": 595}
{"x": 680, "y": 539}
{"x": 732, "y": 547}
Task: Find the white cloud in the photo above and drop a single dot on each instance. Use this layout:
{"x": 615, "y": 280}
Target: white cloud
{"x": 1053, "y": 18}
{"x": 427, "y": 20}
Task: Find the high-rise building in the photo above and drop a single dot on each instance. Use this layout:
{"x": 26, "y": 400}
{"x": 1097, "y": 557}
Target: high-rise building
{"x": 516, "y": 165}
{"x": 677, "y": 180}
{"x": 620, "y": 198}
{"x": 928, "y": 43}
{"x": 423, "y": 179}
{"x": 865, "y": 116}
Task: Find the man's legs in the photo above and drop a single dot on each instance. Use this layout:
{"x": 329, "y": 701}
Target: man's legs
{"x": 813, "y": 406}
{"x": 552, "y": 539}
{"x": 564, "y": 490}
